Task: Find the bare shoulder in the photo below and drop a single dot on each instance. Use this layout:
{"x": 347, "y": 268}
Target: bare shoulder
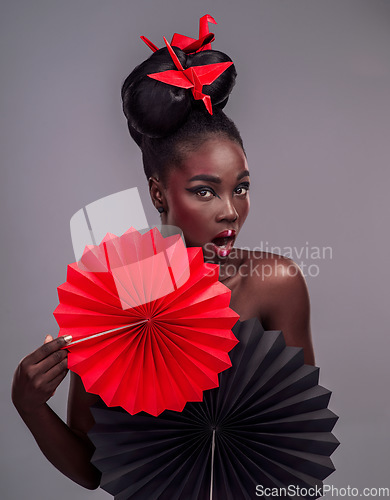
{"x": 274, "y": 272}
{"x": 279, "y": 280}
{"x": 278, "y": 289}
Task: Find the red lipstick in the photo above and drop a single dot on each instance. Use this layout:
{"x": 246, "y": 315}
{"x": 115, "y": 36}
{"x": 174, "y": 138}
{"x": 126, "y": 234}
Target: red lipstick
{"x": 223, "y": 242}
{"x": 226, "y": 234}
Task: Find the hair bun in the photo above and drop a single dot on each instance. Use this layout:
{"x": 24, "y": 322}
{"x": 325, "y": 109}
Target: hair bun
{"x": 157, "y": 109}
{"x": 151, "y": 107}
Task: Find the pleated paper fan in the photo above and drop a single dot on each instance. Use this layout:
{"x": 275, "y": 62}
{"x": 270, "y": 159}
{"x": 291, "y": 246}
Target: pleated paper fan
{"x": 150, "y": 322}
{"x": 266, "y": 424}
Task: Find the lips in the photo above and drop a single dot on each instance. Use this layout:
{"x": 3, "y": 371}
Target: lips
{"x": 225, "y": 234}
{"x": 223, "y": 242}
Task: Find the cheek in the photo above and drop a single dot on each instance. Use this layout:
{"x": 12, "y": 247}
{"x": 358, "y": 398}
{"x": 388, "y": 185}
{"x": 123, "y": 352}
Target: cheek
{"x": 184, "y": 212}
{"x": 244, "y": 210}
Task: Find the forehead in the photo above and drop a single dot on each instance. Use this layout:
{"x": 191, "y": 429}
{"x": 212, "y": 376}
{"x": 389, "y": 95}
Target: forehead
{"x": 217, "y": 156}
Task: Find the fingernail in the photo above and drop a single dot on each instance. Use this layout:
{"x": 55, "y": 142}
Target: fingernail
{"x": 67, "y": 338}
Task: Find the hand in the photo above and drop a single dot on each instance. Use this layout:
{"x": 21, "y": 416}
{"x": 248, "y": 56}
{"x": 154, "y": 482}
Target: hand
{"x": 39, "y": 374}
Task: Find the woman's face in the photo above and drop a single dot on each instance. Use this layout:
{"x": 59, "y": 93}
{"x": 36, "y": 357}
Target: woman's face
{"x": 208, "y": 198}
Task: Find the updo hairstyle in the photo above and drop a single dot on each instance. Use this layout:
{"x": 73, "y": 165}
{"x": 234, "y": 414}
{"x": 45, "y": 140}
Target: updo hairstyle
{"x": 166, "y": 121}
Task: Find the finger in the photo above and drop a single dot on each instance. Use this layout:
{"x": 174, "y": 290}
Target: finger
{"x": 52, "y": 386}
{"x": 51, "y": 361}
{"x": 48, "y": 348}
{"x": 48, "y": 338}
{"x": 56, "y": 370}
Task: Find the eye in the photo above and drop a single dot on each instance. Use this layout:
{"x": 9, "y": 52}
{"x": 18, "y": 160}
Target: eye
{"x": 204, "y": 192}
{"x": 242, "y": 190}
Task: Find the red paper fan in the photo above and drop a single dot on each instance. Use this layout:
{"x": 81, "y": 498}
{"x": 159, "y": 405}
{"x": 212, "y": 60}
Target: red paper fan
{"x": 150, "y": 322}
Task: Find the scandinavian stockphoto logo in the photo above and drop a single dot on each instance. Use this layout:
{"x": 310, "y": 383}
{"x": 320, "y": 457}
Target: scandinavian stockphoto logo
{"x": 118, "y": 212}
{"x": 306, "y": 256}
{"x": 272, "y": 260}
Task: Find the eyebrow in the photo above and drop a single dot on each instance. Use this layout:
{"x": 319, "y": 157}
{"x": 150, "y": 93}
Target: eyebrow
{"x": 245, "y": 173}
{"x": 217, "y": 180}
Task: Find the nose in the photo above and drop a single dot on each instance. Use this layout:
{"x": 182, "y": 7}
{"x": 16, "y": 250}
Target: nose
{"x": 227, "y": 211}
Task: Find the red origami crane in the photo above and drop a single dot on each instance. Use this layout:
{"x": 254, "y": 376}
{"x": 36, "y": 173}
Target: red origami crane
{"x": 192, "y": 78}
{"x": 150, "y": 322}
{"x": 187, "y": 44}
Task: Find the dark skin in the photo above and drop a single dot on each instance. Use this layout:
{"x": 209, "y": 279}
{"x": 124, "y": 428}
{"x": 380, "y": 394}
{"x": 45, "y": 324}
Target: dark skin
{"x": 267, "y": 286}
{"x": 67, "y": 447}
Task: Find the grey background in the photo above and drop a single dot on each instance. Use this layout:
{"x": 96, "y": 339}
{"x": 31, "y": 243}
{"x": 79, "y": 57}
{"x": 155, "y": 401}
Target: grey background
{"x": 312, "y": 101}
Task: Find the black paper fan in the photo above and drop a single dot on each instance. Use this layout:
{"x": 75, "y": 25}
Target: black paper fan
{"x": 267, "y": 424}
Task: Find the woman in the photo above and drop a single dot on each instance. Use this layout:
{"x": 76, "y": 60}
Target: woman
{"x": 198, "y": 178}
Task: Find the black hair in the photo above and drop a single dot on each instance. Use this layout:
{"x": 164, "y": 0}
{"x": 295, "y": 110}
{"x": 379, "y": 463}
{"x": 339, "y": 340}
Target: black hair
{"x": 166, "y": 121}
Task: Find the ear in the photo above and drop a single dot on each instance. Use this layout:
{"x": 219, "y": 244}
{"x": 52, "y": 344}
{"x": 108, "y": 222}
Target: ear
{"x": 156, "y": 192}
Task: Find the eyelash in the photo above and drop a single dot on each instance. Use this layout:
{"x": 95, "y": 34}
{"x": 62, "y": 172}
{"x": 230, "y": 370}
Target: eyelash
{"x": 199, "y": 189}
